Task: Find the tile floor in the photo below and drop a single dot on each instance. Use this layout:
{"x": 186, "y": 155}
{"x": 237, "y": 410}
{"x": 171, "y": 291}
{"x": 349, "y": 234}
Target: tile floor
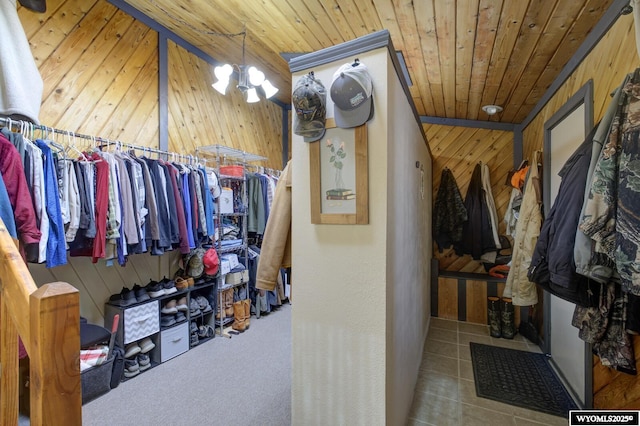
{"x": 445, "y": 393}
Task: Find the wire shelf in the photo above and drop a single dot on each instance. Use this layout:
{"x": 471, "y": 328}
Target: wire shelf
{"x": 226, "y": 152}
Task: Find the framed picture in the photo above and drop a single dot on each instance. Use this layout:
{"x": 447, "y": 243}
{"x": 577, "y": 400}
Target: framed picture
{"x": 339, "y": 176}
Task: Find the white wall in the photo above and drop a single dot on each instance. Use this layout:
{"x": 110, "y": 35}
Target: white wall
{"x": 338, "y": 288}
{"x": 409, "y": 251}
{"x": 360, "y": 292}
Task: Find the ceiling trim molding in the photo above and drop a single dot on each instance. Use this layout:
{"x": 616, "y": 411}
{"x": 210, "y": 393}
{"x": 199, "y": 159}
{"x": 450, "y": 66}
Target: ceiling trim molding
{"x": 476, "y": 124}
{"x": 602, "y": 27}
{"x": 348, "y": 49}
{"x": 161, "y": 29}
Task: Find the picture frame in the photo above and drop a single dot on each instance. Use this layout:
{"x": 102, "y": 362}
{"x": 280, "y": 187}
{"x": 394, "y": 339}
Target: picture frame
{"x": 339, "y": 176}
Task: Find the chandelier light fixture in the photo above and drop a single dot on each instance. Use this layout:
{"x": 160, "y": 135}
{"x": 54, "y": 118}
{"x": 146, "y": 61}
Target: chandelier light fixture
{"x": 249, "y": 78}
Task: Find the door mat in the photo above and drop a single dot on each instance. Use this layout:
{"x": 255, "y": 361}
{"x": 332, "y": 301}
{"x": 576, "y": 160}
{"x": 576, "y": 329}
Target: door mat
{"x": 520, "y": 378}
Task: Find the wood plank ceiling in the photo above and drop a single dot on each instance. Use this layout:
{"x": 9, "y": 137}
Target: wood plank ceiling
{"x": 460, "y": 54}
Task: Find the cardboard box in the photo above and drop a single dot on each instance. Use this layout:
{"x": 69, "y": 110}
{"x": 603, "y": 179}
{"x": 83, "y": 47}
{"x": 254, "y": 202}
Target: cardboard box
{"x": 234, "y": 278}
{"x": 232, "y": 258}
{"x": 226, "y": 201}
{"x": 225, "y": 267}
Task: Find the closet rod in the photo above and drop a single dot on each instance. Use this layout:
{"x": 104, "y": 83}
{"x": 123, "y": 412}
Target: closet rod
{"x": 95, "y": 139}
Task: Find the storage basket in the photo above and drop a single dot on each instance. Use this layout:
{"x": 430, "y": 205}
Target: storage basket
{"x": 236, "y": 171}
{"x": 96, "y": 381}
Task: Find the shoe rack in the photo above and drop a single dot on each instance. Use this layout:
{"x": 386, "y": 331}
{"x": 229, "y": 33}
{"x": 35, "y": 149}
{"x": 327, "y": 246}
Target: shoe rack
{"x": 232, "y": 289}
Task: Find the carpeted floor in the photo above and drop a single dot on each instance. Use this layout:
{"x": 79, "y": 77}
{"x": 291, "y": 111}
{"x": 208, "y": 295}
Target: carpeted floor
{"x": 245, "y": 380}
{"x": 519, "y": 378}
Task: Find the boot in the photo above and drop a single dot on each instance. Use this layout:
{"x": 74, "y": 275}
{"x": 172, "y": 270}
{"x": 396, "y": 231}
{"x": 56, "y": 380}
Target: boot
{"x": 238, "y": 314}
{"x": 247, "y": 312}
{"x": 493, "y": 308}
{"x": 220, "y": 306}
{"x": 228, "y": 302}
{"x": 508, "y": 319}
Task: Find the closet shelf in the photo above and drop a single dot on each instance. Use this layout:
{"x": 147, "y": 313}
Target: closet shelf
{"x": 225, "y": 152}
{"x": 231, "y": 249}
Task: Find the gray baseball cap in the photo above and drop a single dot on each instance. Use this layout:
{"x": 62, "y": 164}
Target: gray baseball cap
{"x": 352, "y": 95}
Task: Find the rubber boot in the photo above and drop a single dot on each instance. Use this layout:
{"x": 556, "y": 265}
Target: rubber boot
{"x": 508, "y": 319}
{"x": 493, "y": 309}
{"x": 247, "y": 312}
{"x": 238, "y": 314}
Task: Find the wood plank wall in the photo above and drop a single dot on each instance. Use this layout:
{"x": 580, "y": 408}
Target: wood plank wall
{"x": 199, "y": 115}
{"x": 607, "y": 64}
{"x": 100, "y": 72}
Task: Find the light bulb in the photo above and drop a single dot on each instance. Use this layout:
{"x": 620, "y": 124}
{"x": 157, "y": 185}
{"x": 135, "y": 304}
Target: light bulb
{"x": 252, "y": 95}
{"x": 269, "y": 89}
{"x": 223, "y": 72}
{"x": 256, "y": 77}
{"x": 491, "y": 109}
{"x": 221, "y": 86}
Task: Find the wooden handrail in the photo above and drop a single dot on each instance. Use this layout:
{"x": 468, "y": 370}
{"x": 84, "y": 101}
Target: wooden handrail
{"x": 48, "y": 321}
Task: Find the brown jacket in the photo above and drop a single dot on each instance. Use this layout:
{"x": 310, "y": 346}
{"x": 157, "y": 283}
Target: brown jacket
{"x": 276, "y": 243}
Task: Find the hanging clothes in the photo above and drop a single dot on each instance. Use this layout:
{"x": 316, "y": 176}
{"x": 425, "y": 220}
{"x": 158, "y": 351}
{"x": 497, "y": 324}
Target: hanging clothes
{"x": 20, "y": 81}
{"x": 552, "y": 263}
{"x": 477, "y": 236}
{"x": 518, "y": 287}
{"x": 610, "y": 216}
{"x": 276, "y": 244}
{"x": 13, "y": 175}
{"x": 449, "y": 212}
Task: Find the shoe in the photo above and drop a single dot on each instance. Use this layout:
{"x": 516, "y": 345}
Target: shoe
{"x": 131, "y": 368}
{"x": 181, "y": 283}
{"x": 194, "y": 339}
{"x": 180, "y": 316}
{"x": 508, "y": 325}
{"x": 181, "y": 304}
{"x": 168, "y": 285}
{"x": 238, "y": 315}
{"x": 126, "y": 297}
{"x": 194, "y": 308}
{"x": 132, "y": 349}
{"x": 167, "y": 320}
{"x": 228, "y": 302}
{"x": 247, "y": 312}
{"x": 144, "y": 361}
{"x": 493, "y": 310}
{"x": 202, "y": 332}
{"x": 146, "y": 345}
{"x": 203, "y": 303}
{"x": 155, "y": 289}
{"x": 193, "y": 327}
{"x": 170, "y": 307}
{"x": 140, "y": 293}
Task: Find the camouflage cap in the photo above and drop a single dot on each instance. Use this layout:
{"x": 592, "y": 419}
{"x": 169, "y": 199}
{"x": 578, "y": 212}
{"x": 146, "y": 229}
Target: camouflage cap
{"x": 309, "y": 101}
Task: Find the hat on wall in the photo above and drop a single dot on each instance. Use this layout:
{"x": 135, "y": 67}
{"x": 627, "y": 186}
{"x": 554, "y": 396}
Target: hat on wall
{"x": 351, "y": 92}
{"x": 211, "y": 262}
{"x": 309, "y": 101}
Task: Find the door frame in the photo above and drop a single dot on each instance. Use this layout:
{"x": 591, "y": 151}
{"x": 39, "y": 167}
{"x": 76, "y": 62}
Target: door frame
{"x": 584, "y": 96}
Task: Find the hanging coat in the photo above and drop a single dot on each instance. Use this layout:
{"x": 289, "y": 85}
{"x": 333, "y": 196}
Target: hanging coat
{"x": 477, "y": 236}
{"x": 518, "y": 287}
{"x": 449, "y": 212}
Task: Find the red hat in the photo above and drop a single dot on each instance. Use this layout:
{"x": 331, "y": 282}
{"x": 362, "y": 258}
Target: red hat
{"x": 211, "y": 262}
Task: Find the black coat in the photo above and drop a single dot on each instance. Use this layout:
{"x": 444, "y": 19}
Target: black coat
{"x": 477, "y": 235}
{"x": 552, "y": 264}
{"x": 449, "y": 212}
